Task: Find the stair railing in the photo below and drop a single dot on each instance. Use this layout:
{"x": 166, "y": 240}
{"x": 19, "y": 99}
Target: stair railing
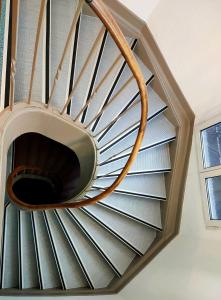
{"x": 111, "y": 25}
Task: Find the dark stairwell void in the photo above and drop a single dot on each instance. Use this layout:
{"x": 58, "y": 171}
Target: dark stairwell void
{"x": 34, "y": 189}
{"x": 44, "y": 171}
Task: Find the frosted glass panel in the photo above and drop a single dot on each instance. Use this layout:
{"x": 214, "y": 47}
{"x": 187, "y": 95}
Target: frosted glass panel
{"x": 214, "y": 197}
{"x": 211, "y": 144}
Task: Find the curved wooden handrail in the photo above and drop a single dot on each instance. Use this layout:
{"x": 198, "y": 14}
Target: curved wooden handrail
{"x": 105, "y": 16}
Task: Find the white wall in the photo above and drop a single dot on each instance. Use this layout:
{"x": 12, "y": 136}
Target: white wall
{"x": 188, "y": 269}
{"x": 189, "y": 36}
{"x": 142, "y": 8}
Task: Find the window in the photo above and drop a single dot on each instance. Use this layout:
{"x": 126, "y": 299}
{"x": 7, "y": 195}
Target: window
{"x": 209, "y": 152}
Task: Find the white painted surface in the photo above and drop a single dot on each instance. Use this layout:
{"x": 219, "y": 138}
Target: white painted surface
{"x": 186, "y": 270}
{"x": 189, "y": 35}
{"x": 142, "y": 8}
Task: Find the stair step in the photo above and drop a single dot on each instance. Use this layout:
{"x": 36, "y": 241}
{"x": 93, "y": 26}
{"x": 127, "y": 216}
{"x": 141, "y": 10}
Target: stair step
{"x": 134, "y": 233}
{"x": 128, "y": 92}
{"x": 153, "y": 160}
{"x": 111, "y": 63}
{"x": 125, "y": 77}
{"x": 131, "y": 118}
{"x": 10, "y": 262}
{"x": 151, "y": 185}
{"x": 48, "y": 267}
{"x": 145, "y": 210}
{"x": 29, "y": 268}
{"x": 61, "y": 20}
{"x": 66, "y": 258}
{"x": 98, "y": 271}
{"x": 28, "y": 22}
{"x": 86, "y": 60}
{"x": 158, "y": 131}
{"x": 119, "y": 255}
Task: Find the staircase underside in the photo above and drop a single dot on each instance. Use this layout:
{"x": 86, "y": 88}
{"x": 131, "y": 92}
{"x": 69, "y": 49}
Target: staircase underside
{"x": 99, "y": 248}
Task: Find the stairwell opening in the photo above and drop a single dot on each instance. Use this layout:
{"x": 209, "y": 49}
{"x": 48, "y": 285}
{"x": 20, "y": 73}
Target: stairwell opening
{"x": 36, "y": 190}
{"x": 44, "y": 171}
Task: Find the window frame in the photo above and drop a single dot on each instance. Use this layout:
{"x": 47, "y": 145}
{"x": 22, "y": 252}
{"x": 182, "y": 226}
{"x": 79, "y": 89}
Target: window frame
{"x": 206, "y": 172}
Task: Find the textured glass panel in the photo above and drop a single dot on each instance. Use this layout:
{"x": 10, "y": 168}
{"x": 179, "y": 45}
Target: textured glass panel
{"x": 211, "y": 143}
{"x": 214, "y": 197}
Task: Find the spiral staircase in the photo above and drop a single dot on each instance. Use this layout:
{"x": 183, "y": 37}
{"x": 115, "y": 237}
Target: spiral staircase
{"x": 64, "y": 82}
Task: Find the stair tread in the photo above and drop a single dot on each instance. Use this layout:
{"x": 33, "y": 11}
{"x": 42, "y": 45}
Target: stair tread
{"x": 29, "y": 271}
{"x": 49, "y": 272}
{"x": 108, "y": 71}
{"x": 158, "y": 131}
{"x": 146, "y": 210}
{"x": 131, "y": 118}
{"x": 86, "y": 42}
{"x": 118, "y": 253}
{"x": 124, "y": 96}
{"x": 155, "y": 159}
{"x": 27, "y": 29}
{"x": 67, "y": 261}
{"x": 136, "y": 234}
{"x": 151, "y": 185}
{"x": 98, "y": 271}
{"x": 61, "y": 14}
{"x": 125, "y": 77}
{"x": 10, "y": 266}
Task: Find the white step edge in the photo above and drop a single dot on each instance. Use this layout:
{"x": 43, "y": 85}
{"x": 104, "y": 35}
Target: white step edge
{"x": 67, "y": 260}
{"x": 144, "y": 210}
{"x": 131, "y": 118}
{"x": 29, "y": 269}
{"x": 151, "y": 185}
{"x": 86, "y": 42}
{"x": 117, "y": 252}
{"x": 136, "y": 234}
{"x": 98, "y": 271}
{"x": 111, "y": 63}
{"x": 154, "y": 160}
{"x": 159, "y": 130}
{"x": 121, "y": 99}
{"x": 10, "y": 267}
{"x": 49, "y": 271}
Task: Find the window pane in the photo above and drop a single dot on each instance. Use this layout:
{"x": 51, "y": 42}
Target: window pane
{"x": 214, "y": 197}
{"x": 211, "y": 144}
